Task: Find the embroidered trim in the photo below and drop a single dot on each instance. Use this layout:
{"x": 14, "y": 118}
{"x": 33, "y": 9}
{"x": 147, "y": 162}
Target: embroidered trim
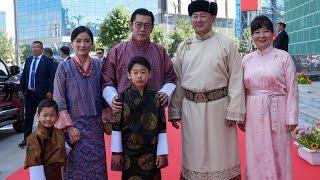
{"x": 235, "y": 115}
{"x": 206, "y": 36}
{"x": 200, "y": 97}
{"x": 82, "y": 72}
{"x": 226, "y": 174}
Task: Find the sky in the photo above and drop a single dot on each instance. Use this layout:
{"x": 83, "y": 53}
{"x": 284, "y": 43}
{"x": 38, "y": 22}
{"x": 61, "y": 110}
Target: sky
{"x": 7, "y": 6}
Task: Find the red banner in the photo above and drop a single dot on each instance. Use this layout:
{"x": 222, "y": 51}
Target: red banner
{"x": 249, "y": 5}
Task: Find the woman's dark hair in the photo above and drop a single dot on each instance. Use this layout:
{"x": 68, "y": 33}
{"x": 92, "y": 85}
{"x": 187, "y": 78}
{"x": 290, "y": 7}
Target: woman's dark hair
{"x": 48, "y": 103}
{"x": 139, "y": 60}
{"x": 79, "y": 30}
{"x": 142, "y": 11}
{"x": 260, "y": 22}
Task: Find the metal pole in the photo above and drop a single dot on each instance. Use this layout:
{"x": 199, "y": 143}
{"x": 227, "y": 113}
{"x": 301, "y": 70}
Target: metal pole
{"x": 16, "y": 46}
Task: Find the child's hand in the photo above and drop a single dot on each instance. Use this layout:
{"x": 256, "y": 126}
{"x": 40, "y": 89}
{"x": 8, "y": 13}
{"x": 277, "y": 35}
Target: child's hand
{"x": 74, "y": 134}
{"x": 161, "y": 161}
{"x": 116, "y": 162}
{"x": 116, "y": 104}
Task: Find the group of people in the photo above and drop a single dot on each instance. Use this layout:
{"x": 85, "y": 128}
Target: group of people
{"x": 207, "y": 87}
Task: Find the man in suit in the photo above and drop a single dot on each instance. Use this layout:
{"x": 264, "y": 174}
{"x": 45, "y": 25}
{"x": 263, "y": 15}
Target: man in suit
{"x": 65, "y": 53}
{"x": 282, "y": 39}
{"x": 49, "y": 53}
{"x": 36, "y": 84}
{"x": 100, "y": 53}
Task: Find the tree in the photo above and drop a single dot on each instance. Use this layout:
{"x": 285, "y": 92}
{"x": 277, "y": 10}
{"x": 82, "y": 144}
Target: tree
{"x": 245, "y": 41}
{"x": 159, "y": 36}
{"x": 6, "y": 48}
{"x": 114, "y": 27}
{"x": 182, "y": 31}
{"x": 25, "y": 52}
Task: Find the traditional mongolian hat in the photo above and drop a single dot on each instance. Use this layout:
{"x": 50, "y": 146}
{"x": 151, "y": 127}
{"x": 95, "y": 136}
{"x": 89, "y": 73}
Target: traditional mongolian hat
{"x": 203, "y": 5}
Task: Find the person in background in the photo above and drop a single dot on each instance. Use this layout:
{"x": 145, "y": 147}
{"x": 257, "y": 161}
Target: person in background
{"x": 100, "y": 53}
{"x": 49, "y": 53}
{"x": 78, "y": 95}
{"x": 282, "y": 39}
{"x": 272, "y": 105}
{"x": 36, "y": 84}
{"x": 45, "y": 152}
{"x": 65, "y": 53}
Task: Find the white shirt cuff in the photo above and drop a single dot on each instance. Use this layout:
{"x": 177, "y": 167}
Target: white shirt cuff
{"x": 162, "y": 147}
{"x": 37, "y": 173}
{"x": 168, "y": 88}
{"x": 116, "y": 141}
{"x": 109, "y": 93}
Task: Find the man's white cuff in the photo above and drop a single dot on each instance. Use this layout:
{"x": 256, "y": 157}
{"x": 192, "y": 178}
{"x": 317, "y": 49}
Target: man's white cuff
{"x": 109, "y": 93}
{"x": 162, "y": 148}
{"x": 168, "y": 88}
{"x": 37, "y": 173}
{"x": 116, "y": 141}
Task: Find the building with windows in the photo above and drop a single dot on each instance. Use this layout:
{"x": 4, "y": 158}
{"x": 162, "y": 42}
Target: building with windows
{"x": 273, "y": 9}
{"x": 3, "y": 21}
{"x": 225, "y": 22}
{"x": 303, "y": 27}
{"x": 52, "y": 21}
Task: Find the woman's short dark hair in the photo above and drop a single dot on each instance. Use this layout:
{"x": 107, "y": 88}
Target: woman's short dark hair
{"x": 139, "y": 60}
{"x": 142, "y": 11}
{"x": 48, "y": 103}
{"x": 79, "y": 30}
{"x": 261, "y": 22}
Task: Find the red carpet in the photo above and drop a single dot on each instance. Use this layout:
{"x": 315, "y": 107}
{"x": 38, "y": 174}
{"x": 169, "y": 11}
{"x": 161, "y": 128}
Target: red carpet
{"x": 301, "y": 169}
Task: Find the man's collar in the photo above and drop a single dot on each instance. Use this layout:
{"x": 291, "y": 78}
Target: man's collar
{"x": 144, "y": 44}
{"x": 39, "y": 57}
{"x": 205, "y": 36}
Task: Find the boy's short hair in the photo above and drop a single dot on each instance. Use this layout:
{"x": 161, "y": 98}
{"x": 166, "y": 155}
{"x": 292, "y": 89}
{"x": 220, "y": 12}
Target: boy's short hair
{"x": 139, "y": 60}
{"x": 48, "y": 103}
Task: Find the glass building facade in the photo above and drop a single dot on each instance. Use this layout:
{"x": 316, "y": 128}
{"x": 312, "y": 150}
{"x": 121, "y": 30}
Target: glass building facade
{"x": 52, "y": 21}
{"x": 303, "y": 27}
{"x": 273, "y": 9}
{"x": 3, "y": 21}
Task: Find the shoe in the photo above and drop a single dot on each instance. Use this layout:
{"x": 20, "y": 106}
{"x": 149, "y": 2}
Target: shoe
{"x": 23, "y": 143}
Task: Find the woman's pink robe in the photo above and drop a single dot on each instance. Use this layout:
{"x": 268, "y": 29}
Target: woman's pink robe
{"x": 272, "y": 103}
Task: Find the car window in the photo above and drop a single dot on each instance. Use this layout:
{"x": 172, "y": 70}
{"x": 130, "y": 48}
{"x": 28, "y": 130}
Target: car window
{"x": 3, "y": 71}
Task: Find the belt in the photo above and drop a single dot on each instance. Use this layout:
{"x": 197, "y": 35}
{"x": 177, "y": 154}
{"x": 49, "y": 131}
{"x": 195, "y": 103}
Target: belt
{"x": 200, "y": 97}
{"x": 272, "y": 104}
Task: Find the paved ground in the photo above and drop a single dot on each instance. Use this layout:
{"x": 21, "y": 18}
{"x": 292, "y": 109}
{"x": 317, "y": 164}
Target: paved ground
{"x": 309, "y": 103}
{"x": 12, "y": 157}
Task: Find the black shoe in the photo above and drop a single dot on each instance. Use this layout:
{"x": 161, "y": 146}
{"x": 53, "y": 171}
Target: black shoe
{"x": 23, "y": 143}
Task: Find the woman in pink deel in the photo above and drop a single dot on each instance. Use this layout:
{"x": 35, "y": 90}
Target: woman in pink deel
{"x": 272, "y": 106}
